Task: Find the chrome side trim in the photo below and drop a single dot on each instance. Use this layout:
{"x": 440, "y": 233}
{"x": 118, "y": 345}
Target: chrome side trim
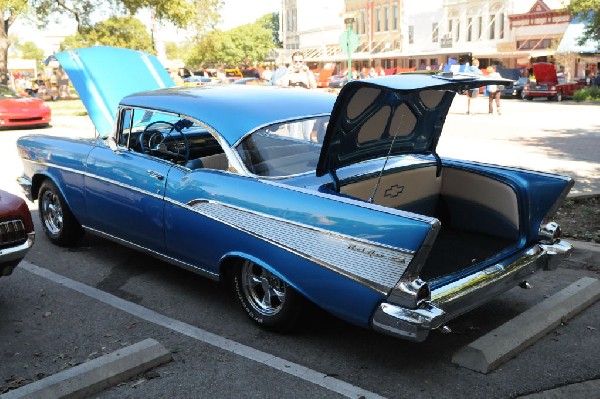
{"x": 360, "y": 260}
{"x": 100, "y": 178}
{"x": 454, "y": 299}
{"x": 375, "y": 265}
{"x": 158, "y": 255}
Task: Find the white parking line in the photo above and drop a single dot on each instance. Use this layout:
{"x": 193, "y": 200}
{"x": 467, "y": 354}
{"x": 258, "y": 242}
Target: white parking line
{"x": 277, "y": 363}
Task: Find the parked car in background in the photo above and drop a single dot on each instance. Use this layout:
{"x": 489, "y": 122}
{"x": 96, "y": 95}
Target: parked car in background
{"x": 248, "y": 81}
{"x": 198, "y": 81}
{"x": 515, "y": 89}
{"x": 17, "y": 233}
{"x": 296, "y": 195}
{"x": 324, "y": 76}
{"x": 338, "y": 81}
{"x": 548, "y": 84}
{"x": 17, "y": 111}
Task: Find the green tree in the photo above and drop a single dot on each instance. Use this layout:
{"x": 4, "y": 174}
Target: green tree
{"x": 30, "y": 51}
{"x": 588, "y": 11}
{"x": 175, "y": 51}
{"x": 124, "y": 32}
{"x": 251, "y": 41}
{"x": 271, "y": 22}
{"x": 11, "y": 10}
{"x": 199, "y": 15}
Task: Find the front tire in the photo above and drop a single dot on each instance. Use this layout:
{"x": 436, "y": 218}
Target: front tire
{"x": 58, "y": 221}
{"x": 268, "y": 300}
{"x": 559, "y": 96}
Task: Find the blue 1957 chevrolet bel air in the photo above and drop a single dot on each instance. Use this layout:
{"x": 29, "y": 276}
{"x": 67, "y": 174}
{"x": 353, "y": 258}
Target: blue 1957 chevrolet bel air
{"x": 295, "y": 195}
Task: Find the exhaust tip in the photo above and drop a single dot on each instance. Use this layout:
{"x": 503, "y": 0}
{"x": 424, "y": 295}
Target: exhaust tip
{"x": 525, "y": 285}
{"x": 445, "y": 329}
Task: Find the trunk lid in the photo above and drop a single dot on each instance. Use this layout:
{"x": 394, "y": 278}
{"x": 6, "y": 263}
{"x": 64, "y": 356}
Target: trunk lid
{"x": 391, "y": 115}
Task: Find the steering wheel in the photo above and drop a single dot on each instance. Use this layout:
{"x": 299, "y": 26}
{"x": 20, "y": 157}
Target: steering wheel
{"x": 156, "y": 141}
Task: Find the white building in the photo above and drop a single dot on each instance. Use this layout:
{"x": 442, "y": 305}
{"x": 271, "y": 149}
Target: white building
{"x": 313, "y": 26}
{"x": 416, "y": 34}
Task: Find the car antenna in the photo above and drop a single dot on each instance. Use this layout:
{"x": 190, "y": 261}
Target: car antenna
{"x": 386, "y": 161}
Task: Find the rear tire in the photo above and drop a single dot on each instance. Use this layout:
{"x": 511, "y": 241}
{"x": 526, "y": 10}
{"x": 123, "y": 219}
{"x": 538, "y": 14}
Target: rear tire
{"x": 58, "y": 221}
{"x": 267, "y": 300}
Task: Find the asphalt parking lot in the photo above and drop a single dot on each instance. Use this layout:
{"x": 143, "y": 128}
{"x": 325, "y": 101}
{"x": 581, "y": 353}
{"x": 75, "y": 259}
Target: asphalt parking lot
{"x": 66, "y": 307}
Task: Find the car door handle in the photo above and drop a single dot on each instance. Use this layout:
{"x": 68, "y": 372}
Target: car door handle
{"x": 156, "y": 175}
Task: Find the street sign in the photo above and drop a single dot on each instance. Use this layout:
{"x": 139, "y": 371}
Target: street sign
{"x": 348, "y": 41}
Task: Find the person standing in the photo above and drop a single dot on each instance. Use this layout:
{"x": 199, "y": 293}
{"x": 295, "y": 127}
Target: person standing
{"x": 267, "y": 74}
{"x": 493, "y": 90}
{"x": 472, "y": 93}
{"x": 298, "y": 74}
{"x": 278, "y": 74}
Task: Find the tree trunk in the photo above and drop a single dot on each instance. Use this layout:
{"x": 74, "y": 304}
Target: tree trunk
{"x": 4, "y": 52}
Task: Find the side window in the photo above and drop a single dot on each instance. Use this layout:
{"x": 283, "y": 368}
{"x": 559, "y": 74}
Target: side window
{"x": 170, "y": 137}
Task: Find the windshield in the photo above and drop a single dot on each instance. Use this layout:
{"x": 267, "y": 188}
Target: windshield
{"x": 284, "y": 149}
{"x": 6, "y": 92}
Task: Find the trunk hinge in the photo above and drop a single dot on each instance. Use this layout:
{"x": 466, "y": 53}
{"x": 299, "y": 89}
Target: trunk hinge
{"x": 336, "y": 181}
{"x": 438, "y": 162}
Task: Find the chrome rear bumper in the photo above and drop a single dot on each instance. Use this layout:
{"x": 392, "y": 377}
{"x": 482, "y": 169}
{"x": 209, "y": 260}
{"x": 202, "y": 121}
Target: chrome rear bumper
{"x": 454, "y": 299}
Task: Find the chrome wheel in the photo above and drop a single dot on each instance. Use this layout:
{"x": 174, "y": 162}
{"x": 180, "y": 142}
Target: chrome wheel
{"x": 267, "y": 299}
{"x": 58, "y": 222}
{"x": 51, "y": 212}
{"x": 264, "y": 291}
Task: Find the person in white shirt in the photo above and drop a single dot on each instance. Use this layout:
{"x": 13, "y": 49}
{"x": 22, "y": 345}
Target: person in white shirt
{"x": 298, "y": 74}
{"x": 493, "y": 90}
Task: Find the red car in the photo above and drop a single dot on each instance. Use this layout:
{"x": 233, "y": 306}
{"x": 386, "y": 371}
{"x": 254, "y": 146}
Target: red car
{"x": 16, "y": 110}
{"x": 548, "y": 84}
{"x": 16, "y": 231}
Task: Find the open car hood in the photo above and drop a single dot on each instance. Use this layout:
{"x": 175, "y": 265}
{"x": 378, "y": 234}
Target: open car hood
{"x": 103, "y": 75}
{"x": 545, "y": 72}
{"x": 391, "y": 115}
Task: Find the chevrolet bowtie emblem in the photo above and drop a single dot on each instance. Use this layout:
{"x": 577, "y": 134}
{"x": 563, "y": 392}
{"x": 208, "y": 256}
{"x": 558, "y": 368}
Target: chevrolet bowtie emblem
{"x": 394, "y": 191}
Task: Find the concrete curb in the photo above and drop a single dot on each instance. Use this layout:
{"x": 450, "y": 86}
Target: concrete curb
{"x": 498, "y": 346}
{"x": 584, "y": 253}
{"x": 98, "y": 374}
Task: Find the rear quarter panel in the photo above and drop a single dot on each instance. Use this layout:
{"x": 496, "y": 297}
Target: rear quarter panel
{"x": 305, "y": 237}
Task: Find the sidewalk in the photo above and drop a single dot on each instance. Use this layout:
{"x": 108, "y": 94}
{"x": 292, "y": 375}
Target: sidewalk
{"x": 541, "y": 135}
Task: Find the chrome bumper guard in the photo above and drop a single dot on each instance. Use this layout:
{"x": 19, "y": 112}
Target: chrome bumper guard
{"x": 458, "y": 297}
{"x": 10, "y": 257}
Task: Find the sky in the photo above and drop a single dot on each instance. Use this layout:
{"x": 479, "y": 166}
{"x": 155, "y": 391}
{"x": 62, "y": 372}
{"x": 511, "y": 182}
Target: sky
{"x": 240, "y": 12}
{"x": 233, "y": 13}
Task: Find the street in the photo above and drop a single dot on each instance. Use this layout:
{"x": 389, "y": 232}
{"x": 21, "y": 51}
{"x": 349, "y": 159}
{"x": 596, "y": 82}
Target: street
{"x": 50, "y": 324}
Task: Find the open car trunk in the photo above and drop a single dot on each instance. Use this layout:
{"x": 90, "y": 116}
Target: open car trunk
{"x": 479, "y": 215}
